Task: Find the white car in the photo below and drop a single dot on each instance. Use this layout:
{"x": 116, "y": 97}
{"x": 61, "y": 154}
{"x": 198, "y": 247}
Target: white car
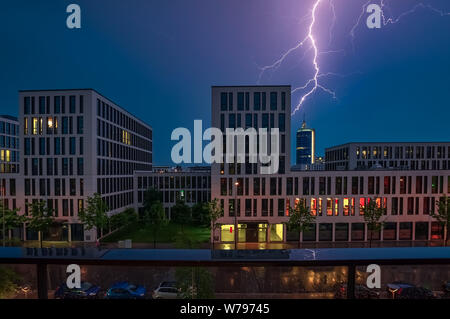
{"x": 165, "y": 293}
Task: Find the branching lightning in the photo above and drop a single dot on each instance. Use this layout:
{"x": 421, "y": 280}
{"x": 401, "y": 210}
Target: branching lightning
{"x": 313, "y": 84}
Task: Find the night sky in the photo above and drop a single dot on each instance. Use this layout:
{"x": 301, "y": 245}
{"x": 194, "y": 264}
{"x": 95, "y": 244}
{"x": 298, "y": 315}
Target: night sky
{"x": 159, "y": 59}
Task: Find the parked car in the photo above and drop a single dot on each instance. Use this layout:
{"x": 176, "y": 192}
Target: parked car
{"x": 125, "y": 290}
{"x": 86, "y": 291}
{"x": 361, "y": 292}
{"x": 401, "y": 290}
{"x": 166, "y": 290}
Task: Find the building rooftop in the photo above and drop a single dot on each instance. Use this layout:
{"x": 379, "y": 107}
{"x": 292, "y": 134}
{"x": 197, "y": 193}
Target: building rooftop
{"x": 403, "y": 143}
{"x": 93, "y": 90}
{"x": 9, "y": 117}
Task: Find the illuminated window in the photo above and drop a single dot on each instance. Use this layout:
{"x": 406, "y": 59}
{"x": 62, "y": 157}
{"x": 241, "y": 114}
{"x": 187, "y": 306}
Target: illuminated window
{"x": 329, "y": 207}
{"x": 49, "y": 122}
{"x": 227, "y": 234}
{"x": 25, "y": 126}
{"x": 126, "y": 137}
{"x": 2, "y": 155}
{"x": 314, "y": 206}
{"x": 319, "y": 209}
{"x": 35, "y": 126}
{"x": 242, "y": 228}
{"x": 336, "y": 206}
{"x": 262, "y": 232}
{"x": 8, "y": 156}
{"x": 378, "y": 201}
{"x": 345, "y": 206}
{"x": 362, "y": 205}
{"x": 276, "y": 232}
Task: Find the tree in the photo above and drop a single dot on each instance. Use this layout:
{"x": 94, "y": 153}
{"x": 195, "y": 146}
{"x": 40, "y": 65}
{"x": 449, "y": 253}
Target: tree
{"x": 181, "y": 214}
{"x": 300, "y": 219}
{"x": 8, "y": 282}
{"x": 41, "y": 218}
{"x": 156, "y": 217}
{"x": 151, "y": 196}
{"x": 372, "y": 215}
{"x": 215, "y": 211}
{"x": 442, "y": 215}
{"x": 195, "y": 283}
{"x": 12, "y": 220}
{"x": 125, "y": 218}
{"x": 94, "y": 215}
{"x": 200, "y": 214}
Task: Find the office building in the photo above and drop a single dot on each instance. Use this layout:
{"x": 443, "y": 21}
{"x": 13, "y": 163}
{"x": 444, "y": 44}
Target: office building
{"x": 239, "y": 186}
{"x": 400, "y": 155}
{"x": 76, "y": 143}
{"x": 191, "y": 185}
{"x": 337, "y": 198}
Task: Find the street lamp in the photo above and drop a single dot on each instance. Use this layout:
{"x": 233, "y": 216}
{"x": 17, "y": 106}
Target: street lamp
{"x": 235, "y": 216}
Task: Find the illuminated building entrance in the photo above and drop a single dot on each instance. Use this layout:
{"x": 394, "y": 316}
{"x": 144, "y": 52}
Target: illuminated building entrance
{"x": 253, "y": 232}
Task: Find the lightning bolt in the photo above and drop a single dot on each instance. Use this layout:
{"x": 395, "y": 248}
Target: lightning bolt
{"x": 313, "y": 84}
{"x": 315, "y": 63}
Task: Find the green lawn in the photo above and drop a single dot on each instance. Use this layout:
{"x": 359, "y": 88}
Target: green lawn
{"x": 139, "y": 233}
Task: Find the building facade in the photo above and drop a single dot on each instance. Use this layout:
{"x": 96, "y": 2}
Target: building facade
{"x": 337, "y": 199}
{"x": 9, "y": 165}
{"x": 337, "y": 195}
{"x": 370, "y": 155}
{"x": 238, "y": 186}
{"x": 191, "y": 185}
{"x": 76, "y": 143}
{"x": 70, "y": 144}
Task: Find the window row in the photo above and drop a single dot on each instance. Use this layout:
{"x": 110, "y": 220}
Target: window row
{"x": 329, "y": 206}
{"x": 119, "y": 151}
{"x": 327, "y": 185}
{"x": 174, "y": 182}
{"x": 113, "y": 167}
{"x": 54, "y": 187}
{"x": 9, "y": 128}
{"x": 258, "y": 100}
{"x": 114, "y": 185}
{"x": 9, "y": 142}
{"x": 249, "y": 120}
{"x": 51, "y": 124}
{"x": 54, "y": 146}
{"x": 53, "y": 166}
{"x": 119, "y": 135}
{"x": 113, "y": 115}
{"x": 58, "y": 207}
{"x": 186, "y": 196}
{"x": 360, "y": 232}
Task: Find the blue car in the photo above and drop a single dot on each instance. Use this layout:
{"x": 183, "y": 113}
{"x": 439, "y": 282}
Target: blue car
{"x": 86, "y": 291}
{"x": 125, "y": 290}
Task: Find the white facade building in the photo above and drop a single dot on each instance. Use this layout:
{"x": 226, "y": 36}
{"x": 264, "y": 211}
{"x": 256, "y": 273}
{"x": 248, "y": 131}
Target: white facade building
{"x": 76, "y": 143}
{"x": 335, "y": 197}
{"x": 191, "y": 185}
{"x": 391, "y": 155}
